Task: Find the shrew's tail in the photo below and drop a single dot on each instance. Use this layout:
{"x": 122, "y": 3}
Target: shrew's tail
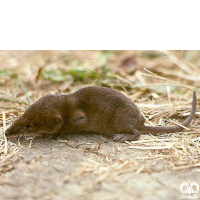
{"x": 172, "y": 129}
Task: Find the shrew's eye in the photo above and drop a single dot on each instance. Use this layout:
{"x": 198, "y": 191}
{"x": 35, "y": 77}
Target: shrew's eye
{"x": 27, "y": 127}
{"x": 24, "y": 128}
{"x": 78, "y": 120}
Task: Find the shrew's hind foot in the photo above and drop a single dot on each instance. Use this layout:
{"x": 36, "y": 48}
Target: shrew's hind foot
{"x": 126, "y": 137}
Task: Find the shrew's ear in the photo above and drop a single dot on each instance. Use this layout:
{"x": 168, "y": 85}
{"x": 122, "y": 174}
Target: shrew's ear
{"x": 58, "y": 121}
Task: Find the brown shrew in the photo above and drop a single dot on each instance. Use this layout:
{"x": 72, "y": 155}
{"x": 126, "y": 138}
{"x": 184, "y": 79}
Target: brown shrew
{"x": 91, "y": 109}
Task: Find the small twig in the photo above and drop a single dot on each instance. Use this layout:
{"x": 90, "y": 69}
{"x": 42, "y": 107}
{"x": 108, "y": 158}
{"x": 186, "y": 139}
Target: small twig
{"x": 4, "y": 134}
{"x": 178, "y": 124}
{"x": 166, "y": 79}
{"x": 178, "y": 62}
{"x": 122, "y": 79}
{"x": 186, "y": 166}
{"x": 152, "y": 148}
{"x": 24, "y": 89}
{"x": 13, "y": 101}
{"x": 10, "y": 155}
{"x": 152, "y": 140}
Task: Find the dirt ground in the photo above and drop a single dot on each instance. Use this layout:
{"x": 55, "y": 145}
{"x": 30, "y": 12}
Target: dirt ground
{"x": 89, "y": 167}
{"x": 92, "y": 166}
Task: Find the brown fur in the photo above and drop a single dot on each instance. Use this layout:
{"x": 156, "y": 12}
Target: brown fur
{"x": 91, "y": 109}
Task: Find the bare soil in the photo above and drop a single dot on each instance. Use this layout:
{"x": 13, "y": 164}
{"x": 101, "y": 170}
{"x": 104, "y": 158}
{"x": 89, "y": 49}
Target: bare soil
{"x": 89, "y": 167}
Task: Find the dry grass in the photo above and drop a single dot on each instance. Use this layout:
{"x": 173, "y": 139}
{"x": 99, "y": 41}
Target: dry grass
{"x": 162, "y": 91}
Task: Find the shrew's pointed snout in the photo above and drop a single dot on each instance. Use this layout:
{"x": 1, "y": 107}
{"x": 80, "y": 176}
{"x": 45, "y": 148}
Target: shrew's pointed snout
{"x": 12, "y": 130}
{"x": 8, "y": 132}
